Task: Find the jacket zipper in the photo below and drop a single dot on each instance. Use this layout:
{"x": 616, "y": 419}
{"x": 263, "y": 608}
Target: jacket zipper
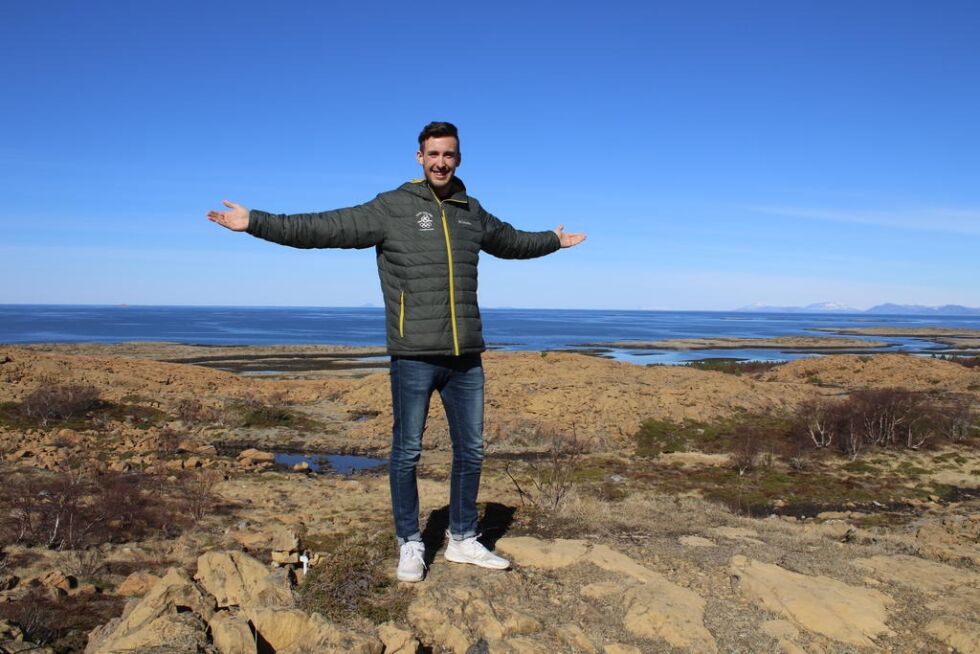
{"x": 401, "y": 315}
{"x": 452, "y": 289}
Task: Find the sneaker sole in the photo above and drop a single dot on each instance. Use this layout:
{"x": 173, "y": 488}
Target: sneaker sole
{"x": 410, "y": 579}
{"x": 483, "y": 564}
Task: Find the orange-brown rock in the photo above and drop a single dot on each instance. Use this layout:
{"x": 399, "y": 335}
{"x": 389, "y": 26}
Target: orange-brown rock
{"x": 137, "y": 583}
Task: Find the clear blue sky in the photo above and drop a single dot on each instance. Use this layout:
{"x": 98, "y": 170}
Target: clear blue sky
{"x": 717, "y": 154}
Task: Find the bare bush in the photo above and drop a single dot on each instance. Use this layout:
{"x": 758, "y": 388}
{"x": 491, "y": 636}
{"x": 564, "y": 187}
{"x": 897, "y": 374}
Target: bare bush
{"x": 199, "y": 492}
{"x": 59, "y": 401}
{"x": 953, "y": 419}
{"x": 62, "y": 624}
{"x": 818, "y": 419}
{"x": 887, "y": 416}
{"x": 747, "y": 443}
{"x": 194, "y": 412}
{"x": 84, "y": 563}
{"x": 50, "y": 511}
{"x": 167, "y": 442}
{"x": 796, "y": 449}
{"x": 67, "y": 511}
{"x": 549, "y": 476}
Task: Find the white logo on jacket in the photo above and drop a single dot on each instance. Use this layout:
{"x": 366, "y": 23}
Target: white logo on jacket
{"x": 425, "y": 220}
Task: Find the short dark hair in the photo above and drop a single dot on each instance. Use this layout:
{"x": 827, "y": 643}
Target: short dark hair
{"x": 435, "y": 130}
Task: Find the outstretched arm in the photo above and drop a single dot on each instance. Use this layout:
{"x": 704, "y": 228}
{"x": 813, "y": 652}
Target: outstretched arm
{"x": 236, "y": 220}
{"x": 568, "y": 240}
{"x": 502, "y": 240}
{"x": 354, "y": 227}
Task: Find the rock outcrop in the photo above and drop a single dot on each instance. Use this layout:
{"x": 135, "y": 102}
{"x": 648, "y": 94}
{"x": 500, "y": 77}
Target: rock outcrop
{"x": 175, "y": 612}
{"x": 654, "y": 607}
{"x": 847, "y": 614}
{"x": 237, "y": 579}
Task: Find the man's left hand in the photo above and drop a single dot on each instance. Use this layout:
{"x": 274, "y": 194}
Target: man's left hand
{"x": 568, "y": 240}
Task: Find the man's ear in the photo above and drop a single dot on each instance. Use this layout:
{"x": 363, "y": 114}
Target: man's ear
{"x": 418, "y": 156}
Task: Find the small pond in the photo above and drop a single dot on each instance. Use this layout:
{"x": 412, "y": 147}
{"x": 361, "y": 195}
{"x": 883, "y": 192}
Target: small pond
{"x": 344, "y": 464}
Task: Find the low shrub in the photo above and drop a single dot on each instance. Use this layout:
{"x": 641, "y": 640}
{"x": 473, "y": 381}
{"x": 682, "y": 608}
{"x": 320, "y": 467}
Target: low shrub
{"x": 549, "y": 474}
{"x": 72, "y": 510}
{"x": 198, "y": 492}
{"x": 875, "y": 418}
{"x": 51, "y": 402}
{"x": 657, "y": 437}
{"x": 251, "y": 412}
{"x": 194, "y": 412}
{"x": 966, "y": 361}
{"x": 737, "y": 367}
{"x": 62, "y": 624}
{"x": 352, "y": 583}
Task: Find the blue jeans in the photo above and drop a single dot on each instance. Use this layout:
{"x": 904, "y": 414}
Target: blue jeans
{"x": 459, "y": 381}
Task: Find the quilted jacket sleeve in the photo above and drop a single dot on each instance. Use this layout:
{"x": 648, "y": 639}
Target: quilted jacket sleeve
{"x": 360, "y": 226}
{"x": 502, "y": 240}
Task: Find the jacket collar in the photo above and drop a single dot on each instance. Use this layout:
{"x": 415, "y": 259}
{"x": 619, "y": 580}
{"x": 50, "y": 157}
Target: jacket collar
{"x": 421, "y": 188}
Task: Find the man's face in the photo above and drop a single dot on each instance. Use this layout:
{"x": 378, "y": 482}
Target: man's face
{"x": 439, "y": 157}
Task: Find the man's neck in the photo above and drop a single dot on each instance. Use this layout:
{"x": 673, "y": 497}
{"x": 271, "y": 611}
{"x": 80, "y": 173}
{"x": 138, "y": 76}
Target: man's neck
{"x": 444, "y": 192}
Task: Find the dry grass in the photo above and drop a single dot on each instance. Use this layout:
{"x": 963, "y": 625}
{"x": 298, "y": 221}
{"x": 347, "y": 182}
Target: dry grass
{"x": 352, "y": 583}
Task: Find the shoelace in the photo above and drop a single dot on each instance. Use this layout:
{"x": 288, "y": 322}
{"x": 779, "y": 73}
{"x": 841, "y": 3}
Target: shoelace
{"x": 418, "y": 553}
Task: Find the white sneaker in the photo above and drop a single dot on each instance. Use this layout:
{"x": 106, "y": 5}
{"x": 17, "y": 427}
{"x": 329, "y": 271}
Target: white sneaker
{"x": 470, "y": 550}
{"x": 411, "y": 562}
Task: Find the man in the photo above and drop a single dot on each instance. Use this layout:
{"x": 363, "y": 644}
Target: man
{"x": 427, "y": 236}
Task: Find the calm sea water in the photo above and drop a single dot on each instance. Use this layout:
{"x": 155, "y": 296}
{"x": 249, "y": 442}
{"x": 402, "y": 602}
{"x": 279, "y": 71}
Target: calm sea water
{"x": 511, "y": 329}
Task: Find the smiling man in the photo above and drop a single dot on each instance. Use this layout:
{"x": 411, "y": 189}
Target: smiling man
{"x": 428, "y": 235}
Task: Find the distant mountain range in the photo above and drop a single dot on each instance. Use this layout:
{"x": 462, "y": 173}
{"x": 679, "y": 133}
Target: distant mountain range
{"x": 888, "y": 308}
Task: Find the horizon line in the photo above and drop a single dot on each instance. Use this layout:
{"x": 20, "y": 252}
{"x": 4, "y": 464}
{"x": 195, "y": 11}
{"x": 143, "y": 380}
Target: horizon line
{"x": 762, "y": 309}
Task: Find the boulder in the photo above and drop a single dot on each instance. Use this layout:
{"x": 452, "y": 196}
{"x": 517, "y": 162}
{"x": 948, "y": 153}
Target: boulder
{"x": 252, "y": 456}
{"x": 231, "y": 634}
{"x": 137, "y": 583}
{"x": 8, "y": 582}
{"x": 179, "y": 633}
{"x": 10, "y": 631}
{"x": 398, "y": 641}
{"x": 292, "y": 631}
{"x": 279, "y": 537}
{"x": 237, "y": 579}
{"x": 576, "y": 638}
{"x": 171, "y": 612}
{"x": 285, "y": 558}
{"x": 59, "y": 580}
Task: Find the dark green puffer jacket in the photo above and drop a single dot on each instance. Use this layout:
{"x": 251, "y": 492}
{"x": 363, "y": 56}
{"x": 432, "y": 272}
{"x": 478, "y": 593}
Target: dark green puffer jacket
{"x": 427, "y": 254}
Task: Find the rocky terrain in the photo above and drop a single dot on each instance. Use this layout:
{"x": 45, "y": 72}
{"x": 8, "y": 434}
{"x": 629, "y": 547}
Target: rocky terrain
{"x": 645, "y": 509}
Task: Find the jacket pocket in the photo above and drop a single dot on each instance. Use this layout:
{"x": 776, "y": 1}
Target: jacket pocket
{"x": 401, "y": 315}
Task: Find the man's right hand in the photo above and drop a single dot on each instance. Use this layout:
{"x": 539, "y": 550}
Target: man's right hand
{"x": 236, "y": 220}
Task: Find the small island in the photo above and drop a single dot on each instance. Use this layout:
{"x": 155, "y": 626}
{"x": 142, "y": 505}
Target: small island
{"x": 807, "y": 343}
{"x": 957, "y": 337}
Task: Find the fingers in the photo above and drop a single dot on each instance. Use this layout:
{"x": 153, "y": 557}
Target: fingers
{"x": 559, "y": 229}
{"x": 230, "y": 204}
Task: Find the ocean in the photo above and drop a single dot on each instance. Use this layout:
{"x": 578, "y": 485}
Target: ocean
{"x": 507, "y": 329}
